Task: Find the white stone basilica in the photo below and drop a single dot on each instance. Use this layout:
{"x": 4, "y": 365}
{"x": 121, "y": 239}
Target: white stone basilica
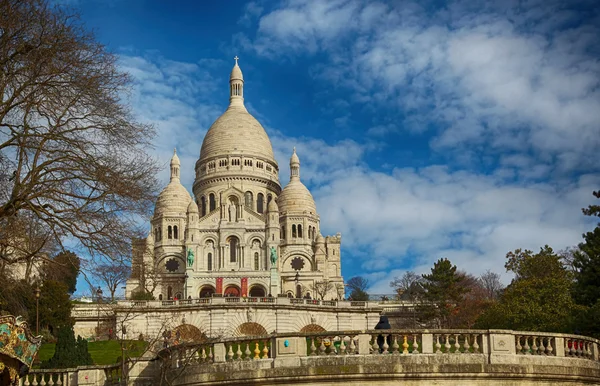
{"x": 241, "y": 235}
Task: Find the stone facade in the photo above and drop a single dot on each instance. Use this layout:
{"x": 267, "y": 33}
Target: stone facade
{"x": 241, "y": 234}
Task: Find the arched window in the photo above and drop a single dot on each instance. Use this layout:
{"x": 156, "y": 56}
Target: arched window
{"x": 212, "y": 203}
{"x": 156, "y": 234}
{"x": 293, "y": 230}
{"x": 203, "y": 206}
{"x": 269, "y": 198}
{"x": 256, "y": 261}
{"x": 233, "y": 242}
{"x": 170, "y": 232}
{"x": 159, "y": 233}
{"x": 259, "y": 202}
{"x": 249, "y": 200}
{"x": 282, "y": 235}
{"x": 175, "y": 233}
{"x": 309, "y": 232}
{"x": 299, "y": 231}
{"x": 160, "y": 297}
{"x": 169, "y": 293}
{"x": 209, "y": 262}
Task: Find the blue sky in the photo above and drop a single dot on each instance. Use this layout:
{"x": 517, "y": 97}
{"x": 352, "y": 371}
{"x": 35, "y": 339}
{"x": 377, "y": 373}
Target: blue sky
{"x": 425, "y": 129}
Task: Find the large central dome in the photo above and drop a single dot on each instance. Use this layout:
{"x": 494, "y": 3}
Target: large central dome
{"x": 236, "y": 132}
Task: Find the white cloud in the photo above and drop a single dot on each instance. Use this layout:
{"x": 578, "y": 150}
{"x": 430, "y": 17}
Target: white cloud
{"x": 498, "y": 76}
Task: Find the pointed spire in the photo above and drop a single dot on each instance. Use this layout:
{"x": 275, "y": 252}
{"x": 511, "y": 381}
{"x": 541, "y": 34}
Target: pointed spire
{"x": 236, "y": 85}
{"x": 294, "y": 166}
{"x": 175, "y": 166}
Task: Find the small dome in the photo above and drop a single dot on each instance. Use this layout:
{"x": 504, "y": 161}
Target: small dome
{"x": 320, "y": 239}
{"x": 236, "y": 73}
{"x": 294, "y": 160}
{"x": 175, "y": 160}
{"x": 272, "y": 207}
{"x": 174, "y": 199}
{"x": 296, "y": 198}
{"x": 193, "y": 207}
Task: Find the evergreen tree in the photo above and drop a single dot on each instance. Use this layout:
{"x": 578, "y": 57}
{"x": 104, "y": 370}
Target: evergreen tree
{"x": 443, "y": 294}
{"x": 69, "y": 352}
{"x": 538, "y": 298}
{"x": 586, "y": 290}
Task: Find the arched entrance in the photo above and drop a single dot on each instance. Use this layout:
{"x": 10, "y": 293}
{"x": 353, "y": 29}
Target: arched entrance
{"x": 250, "y": 329}
{"x": 232, "y": 291}
{"x": 257, "y": 291}
{"x": 207, "y": 291}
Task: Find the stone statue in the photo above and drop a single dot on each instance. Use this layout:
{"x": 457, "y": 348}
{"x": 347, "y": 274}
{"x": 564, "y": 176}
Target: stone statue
{"x": 190, "y": 257}
{"x": 273, "y": 256}
{"x": 232, "y": 213}
{"x": 249, "y": 315}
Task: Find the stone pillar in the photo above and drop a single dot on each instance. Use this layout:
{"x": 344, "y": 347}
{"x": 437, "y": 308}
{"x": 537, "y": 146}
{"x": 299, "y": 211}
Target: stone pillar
{"x": 427, "y": 343}
{"x": 559, "y": 342}
{"x": 219, "y": 352}
{"x": 364, "y": 348}
{"x": 274, "y": 285}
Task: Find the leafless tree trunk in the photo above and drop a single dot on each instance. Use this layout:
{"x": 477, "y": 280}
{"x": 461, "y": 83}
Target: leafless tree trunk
{"x": 321, "y": 288}
{"x": 491, "y": 283}
{"x": 71, "y": 154}
{"x": 406, "y": 282}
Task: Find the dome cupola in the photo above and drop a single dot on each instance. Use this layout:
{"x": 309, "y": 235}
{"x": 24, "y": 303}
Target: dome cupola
{"x": 295, "y": 197}
{"x": 174, "y": 199}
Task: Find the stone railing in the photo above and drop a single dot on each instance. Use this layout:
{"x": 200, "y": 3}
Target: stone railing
{"x": 81, "y": 376}
{"x": 426, "y": 355}
{"x": 252, "y": 300}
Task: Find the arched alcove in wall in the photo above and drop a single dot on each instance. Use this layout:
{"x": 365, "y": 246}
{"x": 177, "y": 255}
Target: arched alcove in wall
{"x": 257, "y": 291}
{"x": 250, "y": 329}
{"x": 312, "y": 328}
{"x": 232, "y": 290}
{"x": 206, "y": 291}
{"x": 186, "y": 333}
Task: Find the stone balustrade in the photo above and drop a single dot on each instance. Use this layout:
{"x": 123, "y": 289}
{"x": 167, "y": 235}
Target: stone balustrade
{"x": 253, "y": 300}
{"x": 81, "y": 376}
{"x": 483, "y": 356}
{"x": 384, "y": 357}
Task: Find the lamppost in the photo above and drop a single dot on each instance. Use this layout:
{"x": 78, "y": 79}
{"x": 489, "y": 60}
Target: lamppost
{"x": 99, "y": 298}
{"x": 37, "y": 292}
{"x": 297, "y": 283}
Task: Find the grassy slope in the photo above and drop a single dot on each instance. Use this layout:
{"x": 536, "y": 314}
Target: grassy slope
{"x": 103, "y": 352}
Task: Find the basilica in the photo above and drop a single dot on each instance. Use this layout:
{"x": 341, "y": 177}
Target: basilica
{"x": 240, "y": 234}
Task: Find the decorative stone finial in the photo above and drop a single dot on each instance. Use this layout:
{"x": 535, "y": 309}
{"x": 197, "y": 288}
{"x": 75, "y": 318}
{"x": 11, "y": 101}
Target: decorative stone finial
{"x": 236, "y": 85}
{"x": 236, "y": 59}
{"x": 175, "y": 166}
{"x": 294, "y": 166}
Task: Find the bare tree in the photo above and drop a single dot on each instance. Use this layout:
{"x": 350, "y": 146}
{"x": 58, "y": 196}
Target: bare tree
{"x": 358, "y": 286}
{"x": 321, "y": 288}
{"x": 490, "y": 281}
{"x": 405, "y": 283}
{"x": 71, "y": 153}
{"x": 112, "y": 275}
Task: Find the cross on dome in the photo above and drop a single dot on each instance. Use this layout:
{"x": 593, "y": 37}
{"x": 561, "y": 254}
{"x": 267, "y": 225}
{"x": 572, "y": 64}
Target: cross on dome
{"x": 236, "y": 59}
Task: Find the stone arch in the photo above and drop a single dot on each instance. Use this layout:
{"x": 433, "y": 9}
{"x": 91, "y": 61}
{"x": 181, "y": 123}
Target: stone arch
{"x": 257, "y": 291}
{"x": 234, "y": 245}
{"x": 232, "y": 290}
{"x": 187, "y": 333}
{"x": 250, "y": 329}
{"x": 206, "y": 291}
{"x": 312, "y": 328}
